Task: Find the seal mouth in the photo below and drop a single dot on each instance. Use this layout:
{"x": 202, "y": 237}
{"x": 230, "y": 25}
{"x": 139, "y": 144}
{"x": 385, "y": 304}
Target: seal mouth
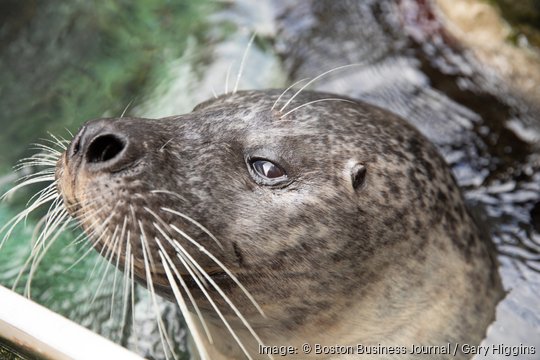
{"x": 219, "y": 278}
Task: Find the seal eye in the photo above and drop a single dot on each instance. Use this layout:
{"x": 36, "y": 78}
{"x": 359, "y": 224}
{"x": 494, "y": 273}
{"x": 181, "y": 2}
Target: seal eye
{"x": 268, "y": 169}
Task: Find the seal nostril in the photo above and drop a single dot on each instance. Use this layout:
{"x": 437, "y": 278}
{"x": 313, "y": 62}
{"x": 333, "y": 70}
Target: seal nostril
{"x": 104, "y": 148}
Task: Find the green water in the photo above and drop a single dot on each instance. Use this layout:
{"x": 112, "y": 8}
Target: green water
{"x": 63, "y": 62}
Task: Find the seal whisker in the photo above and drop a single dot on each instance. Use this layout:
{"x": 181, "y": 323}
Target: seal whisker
{"x": 182, "y": 304}
{"x": 44, "y": 151}
{"x": 28, "y": 182}
{"x": 158, "y": 218}
{"x": 62, "y": 143}
{"x": 11, "y": 224}
{"x": 99, "y": 266}
{"x": 43, "y": 193}
{"x": 90, "y": 219}
{"x": 108, "y": 260}
{"x": 38, "y": 227}
{"x": 132, "y": 277}
{"x": 285, "y": 91}
{"x": 221, "y": 265}
{"x": 105, "y": 269}
{"x": 150, "y": 283}
{"x": 241, "y": 68}
{"x": 150, "y": 266}
{"x": 110, "y": 249}
{"x": 105, "y": 243}
{"x": 91, "y": 244}
{"x": 47, "y": 149}
{"x": 26, "y": 168}
{"x": 165, "y": 144}
{"x": 59, "y": 216}
{"x": 86, "y": 209}
{"x": 35, "y": 258}
{"x": 184, "y": 256}
{"x": 125, "y": 295}
{"x": 181, "y": 250}
{"x": 188, "y": 218}
{"x": 313, "y": 102}
{"x": 143, "y": 234}
{"x": 41, "y": 200}
{"x": 23, "y": 215}
{"x": 38, "y": 160}
{"x": 56, "y": 148}
{"x": 190, "y": 267}
{"x": 118, "y": 253}
{"x": 315, "y": 79}
{"x": 86, "y": 236}
{"x": 126, "y": 108}
{"x": 227, "y": 75}
{"x": 69, "y": 132}
{"x": 46, "y": 157}
{"x": 186, "y": 289}
{"x": 55, "y": 207}
{"x": 52, "y": 221}
{"x": 43, "y": 158}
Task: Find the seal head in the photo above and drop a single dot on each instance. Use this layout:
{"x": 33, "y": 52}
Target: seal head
{"x": 340, "y": 219}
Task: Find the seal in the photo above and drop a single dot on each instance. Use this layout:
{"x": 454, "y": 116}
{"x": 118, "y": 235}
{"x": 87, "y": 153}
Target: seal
{"x": 310, "y": 224}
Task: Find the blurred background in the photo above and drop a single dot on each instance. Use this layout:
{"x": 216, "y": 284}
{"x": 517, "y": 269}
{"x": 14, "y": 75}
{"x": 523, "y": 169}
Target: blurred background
{"x": 65, "y": 62}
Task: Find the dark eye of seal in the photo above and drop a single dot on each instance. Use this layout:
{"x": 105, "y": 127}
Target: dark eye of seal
{"x": 269, "y": 172}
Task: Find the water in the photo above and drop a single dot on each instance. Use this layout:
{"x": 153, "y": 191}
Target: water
{"x": 164, "y": 59}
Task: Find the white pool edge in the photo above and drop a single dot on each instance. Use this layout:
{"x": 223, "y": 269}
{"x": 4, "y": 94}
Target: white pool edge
{"x": 50, "y": 335}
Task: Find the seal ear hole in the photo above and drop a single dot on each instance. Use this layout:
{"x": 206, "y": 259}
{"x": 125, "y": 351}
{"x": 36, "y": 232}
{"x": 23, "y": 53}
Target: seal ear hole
{"x": 358, "y": 176}
{"x": 104, "y": 148}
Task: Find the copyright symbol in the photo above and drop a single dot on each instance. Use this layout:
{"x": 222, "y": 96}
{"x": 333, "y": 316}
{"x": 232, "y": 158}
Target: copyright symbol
{"x": 306, "y": 348}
